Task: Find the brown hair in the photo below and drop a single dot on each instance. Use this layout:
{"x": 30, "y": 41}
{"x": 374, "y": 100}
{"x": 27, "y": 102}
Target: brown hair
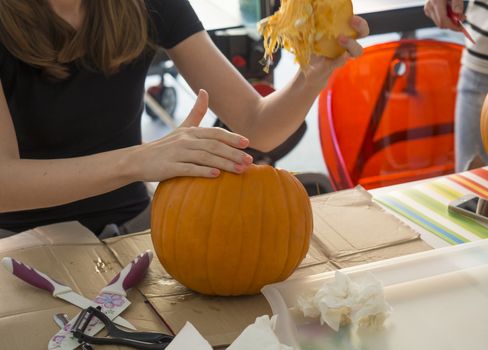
{"x": 113, "y": 32}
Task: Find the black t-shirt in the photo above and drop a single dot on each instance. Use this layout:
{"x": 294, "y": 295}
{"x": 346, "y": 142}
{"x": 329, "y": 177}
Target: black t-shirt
{"x": 87, "y": 113}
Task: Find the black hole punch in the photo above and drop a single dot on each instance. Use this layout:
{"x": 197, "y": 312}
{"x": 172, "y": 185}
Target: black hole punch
{"x": 116, "y": 335}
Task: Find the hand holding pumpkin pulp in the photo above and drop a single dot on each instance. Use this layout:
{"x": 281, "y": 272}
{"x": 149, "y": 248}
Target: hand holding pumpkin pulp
{"x": 306, "y": 27}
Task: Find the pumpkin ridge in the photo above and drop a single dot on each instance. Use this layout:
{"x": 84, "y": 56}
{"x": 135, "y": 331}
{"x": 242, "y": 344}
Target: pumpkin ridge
{"x": 158, "y": 239}
{"x": 288, "y": 209}
{"x": 154, "y": 222}
{"x": 278, "y": 233}
{"x": 256, "y": 268}
{"x": 269, "y": 237}
{"x": 306, "y": 242}
{"x": 155, "y": 219}
{"x": 209, "y": 195}
{"x": 232, "y": 285}
{"x": 164, "y": 194}
{"x": 298, "y": 187}
{"x": 278, "y": 176}
{"x": 249, "y": 288}
{"x": 275, "y": 232}
{"x": 177, "y": 228}
{"x": 207, "y": 238}
{"x": 227, "y": 232}
{"x": 214, "y": 218}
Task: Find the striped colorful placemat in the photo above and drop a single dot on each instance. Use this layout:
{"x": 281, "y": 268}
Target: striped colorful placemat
{"x": 426, "y": 204}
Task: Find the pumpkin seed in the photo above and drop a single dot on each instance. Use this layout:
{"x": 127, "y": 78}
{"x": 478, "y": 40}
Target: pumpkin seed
{"x": 300, "y": 22}
{"x": 319, "y": 36}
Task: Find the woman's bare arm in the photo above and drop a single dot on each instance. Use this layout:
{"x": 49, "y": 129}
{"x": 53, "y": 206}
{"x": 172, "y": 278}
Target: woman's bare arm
{"x": 27, "y": 183}
{"x": 268, "y": 121}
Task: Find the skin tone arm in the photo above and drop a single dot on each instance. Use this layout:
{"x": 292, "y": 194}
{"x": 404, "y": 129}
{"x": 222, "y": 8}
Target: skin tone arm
{"x": 437, "y": 11}
{"x": 188, "y": 151}
{"x": 267, "y": 121}
{"x": 28, "y": 184}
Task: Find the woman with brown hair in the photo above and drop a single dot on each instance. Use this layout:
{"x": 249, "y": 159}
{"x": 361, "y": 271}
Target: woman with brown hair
{"x": 71, "y": 96}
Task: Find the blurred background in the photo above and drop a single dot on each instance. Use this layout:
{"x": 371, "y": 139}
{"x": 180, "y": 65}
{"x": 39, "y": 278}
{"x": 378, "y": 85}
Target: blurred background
{"x": 232, "y": 25}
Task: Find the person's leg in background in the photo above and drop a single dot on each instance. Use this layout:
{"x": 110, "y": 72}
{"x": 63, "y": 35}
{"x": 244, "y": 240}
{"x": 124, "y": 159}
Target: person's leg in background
{"x": 139, "y": 223}
{"x": 6, "y": 233}
{"x": 472, "y": 90}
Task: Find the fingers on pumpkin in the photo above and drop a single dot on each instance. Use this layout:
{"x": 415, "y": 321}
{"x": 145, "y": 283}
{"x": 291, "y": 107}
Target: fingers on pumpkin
{"x": 211, "y": 160}
{"x": 222, "y": 150}
{"x": 222, "y": 135}
{"x": 194, "y": 170}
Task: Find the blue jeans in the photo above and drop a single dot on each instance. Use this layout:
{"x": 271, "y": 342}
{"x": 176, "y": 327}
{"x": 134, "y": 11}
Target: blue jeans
{"x": 472, "y": 89}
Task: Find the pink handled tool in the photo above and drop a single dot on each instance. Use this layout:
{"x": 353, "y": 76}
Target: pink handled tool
{"x": 41, "y": 280}
{"x": 111, "y": 300}
{"x": 34, "y": 277}
{"x": 130, "y": 275}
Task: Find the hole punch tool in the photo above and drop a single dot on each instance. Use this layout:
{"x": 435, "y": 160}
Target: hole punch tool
{"x": 116, "y": 335}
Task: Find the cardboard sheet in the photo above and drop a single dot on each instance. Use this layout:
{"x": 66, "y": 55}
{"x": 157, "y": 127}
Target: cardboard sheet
{"x": 349, "y": 222}
{"x": 219, "y": 319}
{"x": 72, "y": 255}
{"x": 349, "y": 229}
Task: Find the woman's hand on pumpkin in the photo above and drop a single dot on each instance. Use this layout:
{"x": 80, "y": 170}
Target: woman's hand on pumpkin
{"x": 321, "y": 68}
{"x": 193, "y": 151}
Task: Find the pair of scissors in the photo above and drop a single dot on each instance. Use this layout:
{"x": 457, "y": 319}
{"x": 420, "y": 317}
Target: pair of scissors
{"x": 456, "y": 19}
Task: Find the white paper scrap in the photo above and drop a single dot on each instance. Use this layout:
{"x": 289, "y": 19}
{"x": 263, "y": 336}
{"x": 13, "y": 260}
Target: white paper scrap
{"x": 259, "y": 335}
{"x": 189, "y": 338}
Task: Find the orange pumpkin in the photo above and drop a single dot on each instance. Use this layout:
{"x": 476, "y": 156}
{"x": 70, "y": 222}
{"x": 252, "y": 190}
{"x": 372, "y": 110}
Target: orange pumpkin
{"x": 234, "y": 234}
{"x": 484, "y": 124}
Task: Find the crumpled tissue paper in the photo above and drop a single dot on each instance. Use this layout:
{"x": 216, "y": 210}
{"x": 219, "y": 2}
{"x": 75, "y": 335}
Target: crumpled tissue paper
{"x": 344, "y": 301}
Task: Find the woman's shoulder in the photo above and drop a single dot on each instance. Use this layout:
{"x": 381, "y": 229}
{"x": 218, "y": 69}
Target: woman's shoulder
{"x": 3, "y": 59}
{"x": 8, "y": 63}
{"x": 174, "y": 20}
{"x": 3, "y": 54}
{"x": 3, "y": 50}
{"x": 172, "y": 11}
